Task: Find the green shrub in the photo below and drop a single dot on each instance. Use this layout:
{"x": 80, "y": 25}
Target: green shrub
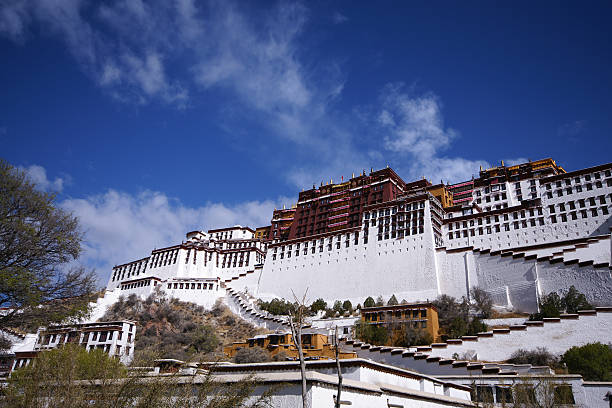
{"x": 538, "y": 357}
{"x": 593, "y": 361}
{"x": 251, "y": 355}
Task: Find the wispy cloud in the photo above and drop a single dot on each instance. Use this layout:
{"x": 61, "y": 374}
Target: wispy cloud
{"x": 572, "y": 130}
{"x": 38, "y": 176}
{"x": 167, "y": 51}
{"x": 339, "y": 18}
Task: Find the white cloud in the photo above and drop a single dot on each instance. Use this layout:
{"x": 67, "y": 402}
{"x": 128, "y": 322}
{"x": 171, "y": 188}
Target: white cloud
{"x": 168, "y": 50}
{"x": 38, "y": 176}
{"x": 414, "y": 124}
{"x": 14, "y": 18}
{"x": 120, "y": 227}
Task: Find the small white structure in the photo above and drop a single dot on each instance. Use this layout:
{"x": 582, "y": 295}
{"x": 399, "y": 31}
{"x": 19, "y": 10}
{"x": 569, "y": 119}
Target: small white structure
{"x": 115, "y": 338}
{"x": 366, "y": 384}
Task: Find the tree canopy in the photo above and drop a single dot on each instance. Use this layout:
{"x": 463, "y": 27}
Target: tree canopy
{"x": 38, "y": 240}
{"x": 552, "y": 305}
{"x": 593, "y": 361}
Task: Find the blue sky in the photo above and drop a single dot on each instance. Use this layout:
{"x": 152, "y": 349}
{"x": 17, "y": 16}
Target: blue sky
{"x": 153, "y": 118}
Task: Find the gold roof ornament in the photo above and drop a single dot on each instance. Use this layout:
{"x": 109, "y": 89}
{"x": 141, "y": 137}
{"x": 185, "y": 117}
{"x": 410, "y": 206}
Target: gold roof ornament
{"x": 284, "y": 208}
{"x": 353, "y": 176}
{"x": 502, "y": 163}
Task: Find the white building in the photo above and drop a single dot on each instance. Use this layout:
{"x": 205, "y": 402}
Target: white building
{"x": 115, "y": 338}
{"x": 192, "y": 271}
{"x": 518, "y": 232}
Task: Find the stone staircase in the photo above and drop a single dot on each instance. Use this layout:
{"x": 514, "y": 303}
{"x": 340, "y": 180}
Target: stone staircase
{"x": 417, "y": 359}
{"x": 243, "y": 305}
{"x": 572, "y": 252}
{"x": 557, "y": 334}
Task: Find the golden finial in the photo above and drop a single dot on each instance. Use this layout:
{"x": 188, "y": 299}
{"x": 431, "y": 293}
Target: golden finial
{"x": 353, "y": 176}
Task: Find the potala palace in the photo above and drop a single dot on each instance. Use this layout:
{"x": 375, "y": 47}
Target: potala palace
{"x": 517, "y": 232}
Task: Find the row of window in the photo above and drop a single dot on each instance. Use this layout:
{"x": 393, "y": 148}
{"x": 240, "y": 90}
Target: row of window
{"x": 531, "y": 212}
{"x": 582, "y": 203}
{"x": 489, "y": 229}
{"x": 578, "y": 181}
{"x": 234, "y": 259}
{"x": 139, "y": 284}
{"x": 526, "y": 394}
{"x": 192, "y": 285}
{"x": 97, "y": 336}
{"x": 578, "y": 189}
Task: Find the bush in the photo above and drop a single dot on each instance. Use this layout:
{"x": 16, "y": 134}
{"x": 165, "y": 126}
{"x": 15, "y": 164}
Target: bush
{"x": 538, "y": 357}
{"x": 406, "y": 336}
{"x": 338, "y": 307}
{"x": 552, "y": 305}
{"x": 317, "y": 305}
{"x": 482, "y": 302}
{"x": 593, "y": 361}
{"x": 370, "y": 333}
{"x": 392, "y": 301}
{"x": 251, "y": 355}
{"x": 454, "y": 318}
{"x": 277, "y": 307}
{"x": 574, "y": 301}
{"x": 347, "y": 306}
{"x": 369, "y": 302}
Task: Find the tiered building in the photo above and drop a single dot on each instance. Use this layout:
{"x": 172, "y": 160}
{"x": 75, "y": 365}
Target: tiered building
{"x": 194, "y": 269}
{"x": 516, "y": 231}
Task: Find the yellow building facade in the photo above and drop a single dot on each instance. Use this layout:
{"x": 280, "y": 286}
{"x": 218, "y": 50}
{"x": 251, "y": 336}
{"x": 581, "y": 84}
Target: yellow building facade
{"x": 422, "y": 316}
{"x": 314, "y": 346}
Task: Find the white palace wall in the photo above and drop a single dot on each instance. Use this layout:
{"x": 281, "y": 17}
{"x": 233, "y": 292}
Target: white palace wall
{"x": 405, "y": 267}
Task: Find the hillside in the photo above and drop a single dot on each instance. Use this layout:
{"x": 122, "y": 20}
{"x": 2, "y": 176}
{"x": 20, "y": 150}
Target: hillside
{"x": 169, "y": 328}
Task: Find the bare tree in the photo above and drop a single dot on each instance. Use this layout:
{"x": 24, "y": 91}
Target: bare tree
{"x": 296, "y": 322}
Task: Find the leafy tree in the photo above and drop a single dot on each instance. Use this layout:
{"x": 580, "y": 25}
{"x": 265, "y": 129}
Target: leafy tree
{"x": 317, "y": 305}
{"x": 380, "y": 301}
{"x": 369, "y": 302}
{"x": 593, "y": 361}
{"x": 406, "y": 336}
{"x": 550, "y": 306}
{"x": 277, "y": 306}
{"x": 392, "y": 301}
{"x": 70, "y": 376}
{"x": 482, "y": 302}
{"x": 454, "y": 318}
{"x": 574, "y": 301}
{"x": 371, "y": 333}
{"x": 347, "y": 306}
{"x": 37, "y": 241}
{"x": 203, "y": 339}
{"x": 251, "y": 355}
{"x": 338, "y": 307}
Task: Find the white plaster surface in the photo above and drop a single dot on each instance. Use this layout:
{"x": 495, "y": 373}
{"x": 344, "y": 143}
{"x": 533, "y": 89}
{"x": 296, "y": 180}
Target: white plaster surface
{"x": 557, "y": 337}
